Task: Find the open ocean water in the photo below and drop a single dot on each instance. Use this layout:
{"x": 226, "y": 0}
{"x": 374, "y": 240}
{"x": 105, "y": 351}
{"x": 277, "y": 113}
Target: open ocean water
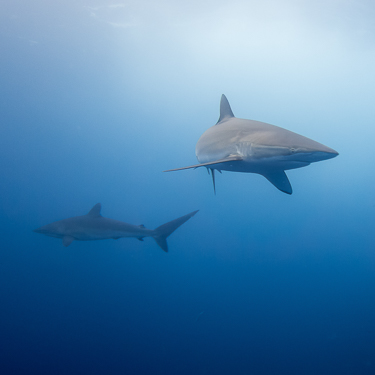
{"x": 97, "y": 98}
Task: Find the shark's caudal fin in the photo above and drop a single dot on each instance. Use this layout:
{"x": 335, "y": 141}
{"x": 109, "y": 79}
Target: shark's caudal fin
{"x": 161, "y": 233}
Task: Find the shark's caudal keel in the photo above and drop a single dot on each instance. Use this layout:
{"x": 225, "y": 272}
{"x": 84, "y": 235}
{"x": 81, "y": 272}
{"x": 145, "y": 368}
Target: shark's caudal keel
{"x": 94, "y": 226}
{"x": 240, "y": 145}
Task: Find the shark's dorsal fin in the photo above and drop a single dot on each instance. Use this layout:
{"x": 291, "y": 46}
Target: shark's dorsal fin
{"x": 225, "y": 110}
{"x": 95, "y": 211}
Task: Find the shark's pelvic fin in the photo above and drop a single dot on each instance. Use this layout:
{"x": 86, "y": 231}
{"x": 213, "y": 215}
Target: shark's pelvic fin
{"x": 161, "y": 233}
{"x": 67, "y": 240}
{"x": 95, "y": 211}
{"x": 280, "y": 180}
{"x": 225, "y": 160}
{"x": 225, "y": 109}
{"x": 213, "y": 179}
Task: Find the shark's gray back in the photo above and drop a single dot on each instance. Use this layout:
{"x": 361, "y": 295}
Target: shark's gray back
{"x": 232, "y": 134}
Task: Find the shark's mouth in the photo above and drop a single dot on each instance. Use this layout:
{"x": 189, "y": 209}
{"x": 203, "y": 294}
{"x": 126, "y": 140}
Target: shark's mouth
{"x": 311, "y": 157}
{"x": 47, "y": 233}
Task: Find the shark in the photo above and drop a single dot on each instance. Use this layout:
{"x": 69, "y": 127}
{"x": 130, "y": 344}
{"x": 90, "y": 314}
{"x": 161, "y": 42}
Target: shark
{"x": 93, "y": 226}
{"x": 239, "y": 145}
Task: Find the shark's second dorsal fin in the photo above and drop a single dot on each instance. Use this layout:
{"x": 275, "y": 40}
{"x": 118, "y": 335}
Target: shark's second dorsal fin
{"x": 95, "y": 211}
{"x": 225, "y": 110}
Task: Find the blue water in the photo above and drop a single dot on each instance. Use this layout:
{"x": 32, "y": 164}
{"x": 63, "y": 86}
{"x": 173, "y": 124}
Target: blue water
{"x": 97, "y": 99}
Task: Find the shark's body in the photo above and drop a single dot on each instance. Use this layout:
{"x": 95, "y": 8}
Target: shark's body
{"x": 240, "y": 145}
{"x": 94, "y": 226}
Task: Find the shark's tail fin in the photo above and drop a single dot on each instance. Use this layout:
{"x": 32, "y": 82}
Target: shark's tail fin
{"x": 161, "y": 233}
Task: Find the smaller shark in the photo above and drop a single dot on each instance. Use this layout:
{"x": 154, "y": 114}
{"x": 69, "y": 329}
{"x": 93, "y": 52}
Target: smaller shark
{"x": 94, "y": 226}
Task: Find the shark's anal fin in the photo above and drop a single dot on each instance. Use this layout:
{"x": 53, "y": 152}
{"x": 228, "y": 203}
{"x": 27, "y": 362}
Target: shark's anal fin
{"x": 140, "y": 238}
{"x": 219, "y": 161}
{"x": 280, "y": 180}
{"x": 67, "y": 240}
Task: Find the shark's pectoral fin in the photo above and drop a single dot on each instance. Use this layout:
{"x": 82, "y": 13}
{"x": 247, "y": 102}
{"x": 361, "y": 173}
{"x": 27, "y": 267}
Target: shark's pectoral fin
{"x": 230, "y": 158}
{"x": 67, "y": 240}
{"x": 280, "y": 180}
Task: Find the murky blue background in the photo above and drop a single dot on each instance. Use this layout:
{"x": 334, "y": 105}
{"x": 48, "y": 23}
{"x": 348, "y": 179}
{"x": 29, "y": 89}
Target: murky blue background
{"x": 97, "y": 99}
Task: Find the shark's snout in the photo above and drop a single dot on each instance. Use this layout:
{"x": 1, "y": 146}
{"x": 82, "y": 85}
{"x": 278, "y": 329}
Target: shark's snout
{"x": 43, "y": 230}
{"x": 331, "y": 154}
{"x": 322, "y": 155}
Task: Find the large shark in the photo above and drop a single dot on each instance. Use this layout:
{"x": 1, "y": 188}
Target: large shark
{"x": 240, "y": 145}
{"x": 94, "y": 226}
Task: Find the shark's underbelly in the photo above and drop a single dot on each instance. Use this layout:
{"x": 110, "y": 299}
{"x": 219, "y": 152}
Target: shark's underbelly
{"x": 258, "y": 166}
{"x": 255, "y": 158}
{"x": 92, "y": 235}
